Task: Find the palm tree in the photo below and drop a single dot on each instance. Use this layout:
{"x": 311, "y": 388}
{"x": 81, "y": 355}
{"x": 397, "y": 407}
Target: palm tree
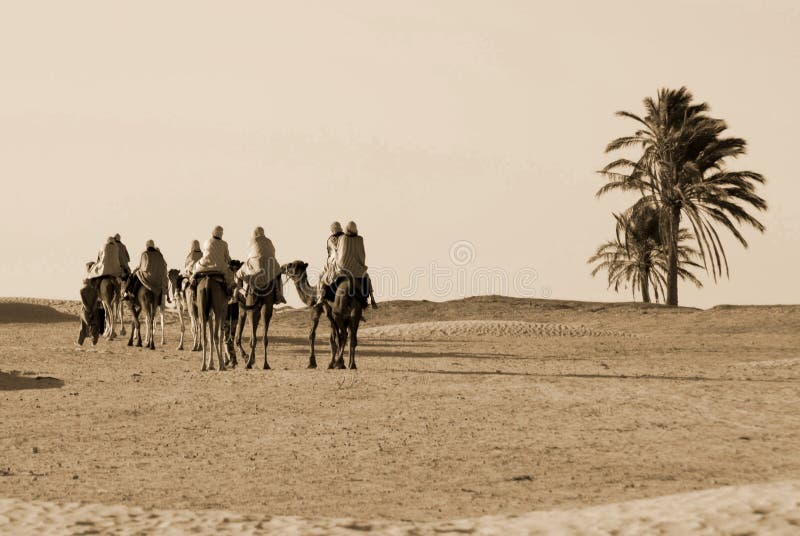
{"x": 637, "y": 258}
{"x": 682, "y": 171}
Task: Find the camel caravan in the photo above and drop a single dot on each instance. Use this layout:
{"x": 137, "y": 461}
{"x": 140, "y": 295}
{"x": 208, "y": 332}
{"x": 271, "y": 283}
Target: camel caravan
{"x": 219, "y": 295}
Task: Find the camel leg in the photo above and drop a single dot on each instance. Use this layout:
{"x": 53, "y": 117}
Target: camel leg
{"x": 211, "y": 339}
{"x": 230, "y": 350}
{"x": 253, "y": 317}
{"x": 333, "y": 339}
{"x": 218, "y": 324}
{"x": 148, "y": 322}
{"x": 195, "y": 322}
{"x": 230, "y": 335}
{"x": 239, "y": 331}
{"x": 204, "y": 339}
{"x": 121, "y": 308}
{"x": 133, "y": 329}
{"x": 161, "y": 311}
{"x": 341, "y": 345}
{"x": 254, "y": 321}
{"x": 110, "y": 327}
{"x": 266, "y": 312}
{"x": 137, "y": 328}
{"x": 151, "y": 326}
{"x": 353, "y": 342}
{"x": 179, "y": 306}
{"x": 146, "y": 327}
{"x": 312, "y": 337}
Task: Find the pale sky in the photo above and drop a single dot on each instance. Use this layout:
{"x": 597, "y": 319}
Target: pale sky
{"x": 427, "y": 122}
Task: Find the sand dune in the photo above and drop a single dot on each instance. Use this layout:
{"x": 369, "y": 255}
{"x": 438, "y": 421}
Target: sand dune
{"x": 754, "y": 509}
{"x": 485, "y": 328}
{"x": 18, "y": 311}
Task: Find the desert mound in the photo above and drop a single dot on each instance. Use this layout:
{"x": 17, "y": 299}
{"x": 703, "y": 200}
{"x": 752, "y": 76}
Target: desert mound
{"x": 26, "y": 313}
{"x": 762, "y": 509}
{"x": 484, "y": 328}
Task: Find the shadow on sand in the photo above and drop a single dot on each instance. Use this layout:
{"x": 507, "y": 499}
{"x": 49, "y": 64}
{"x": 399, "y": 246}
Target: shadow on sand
{"x": 17, "y": 381}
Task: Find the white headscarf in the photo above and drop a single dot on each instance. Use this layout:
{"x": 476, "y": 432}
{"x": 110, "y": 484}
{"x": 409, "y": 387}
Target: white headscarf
{"x": 351, "y": 228}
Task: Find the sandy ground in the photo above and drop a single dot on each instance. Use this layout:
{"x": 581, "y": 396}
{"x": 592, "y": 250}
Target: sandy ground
{"x": 754, "y": 509}
{"x": 539, "y": 405}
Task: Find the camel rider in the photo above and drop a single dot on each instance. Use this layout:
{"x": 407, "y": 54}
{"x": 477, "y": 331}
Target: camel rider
{"x": 152, "y": 270}
{"x": 351, "y": 259}
{"x": 329, "y": 270}
{"x": 124, "y": 257}
{"x": 215, "y": 259}
{"x": 194, "y": 255}
{"x": 107, "y": 263}
{"x": 260, "y": 271}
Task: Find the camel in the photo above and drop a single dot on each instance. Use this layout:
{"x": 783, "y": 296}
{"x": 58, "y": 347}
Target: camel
{"x": 347, "y": 314}
{"x": 296, "y": 271}
{"x": 109, "y": 290}
{"x": 158, "y": 317}
{"x": 257, "y": 306}
{"x": 140, "y": 298}
{"x": 184, "y": 301}
{"x": 160, "y": 308}
{"x": 211, "y": 300}
{"x": 230, "y": 323}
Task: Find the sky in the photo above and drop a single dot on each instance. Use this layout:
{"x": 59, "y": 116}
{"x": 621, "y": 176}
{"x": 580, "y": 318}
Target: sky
{"x": 462, "y": 136}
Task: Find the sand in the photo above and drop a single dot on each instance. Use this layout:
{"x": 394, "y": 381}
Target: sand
{"x": 755, "y": 509}
{"x": 484, "y": 328}
{"x": 430, "y": 429}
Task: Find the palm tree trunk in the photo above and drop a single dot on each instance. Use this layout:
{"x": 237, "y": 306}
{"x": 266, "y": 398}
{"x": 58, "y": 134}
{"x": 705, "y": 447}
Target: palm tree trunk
{"x": 646, "y": 286}
{"x": 672, "y": 268}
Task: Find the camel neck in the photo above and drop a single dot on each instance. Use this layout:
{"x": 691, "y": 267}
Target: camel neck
{"x": 308, "y": 294}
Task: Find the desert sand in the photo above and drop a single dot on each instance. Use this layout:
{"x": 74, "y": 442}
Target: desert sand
{"x": 487, "y": 415}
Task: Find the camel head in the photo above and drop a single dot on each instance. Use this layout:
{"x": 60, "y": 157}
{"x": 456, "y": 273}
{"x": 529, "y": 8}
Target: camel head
{"x": 295, "y": 270}
{"x": 235, "y": 264}
{"x": 174, "y": 277}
